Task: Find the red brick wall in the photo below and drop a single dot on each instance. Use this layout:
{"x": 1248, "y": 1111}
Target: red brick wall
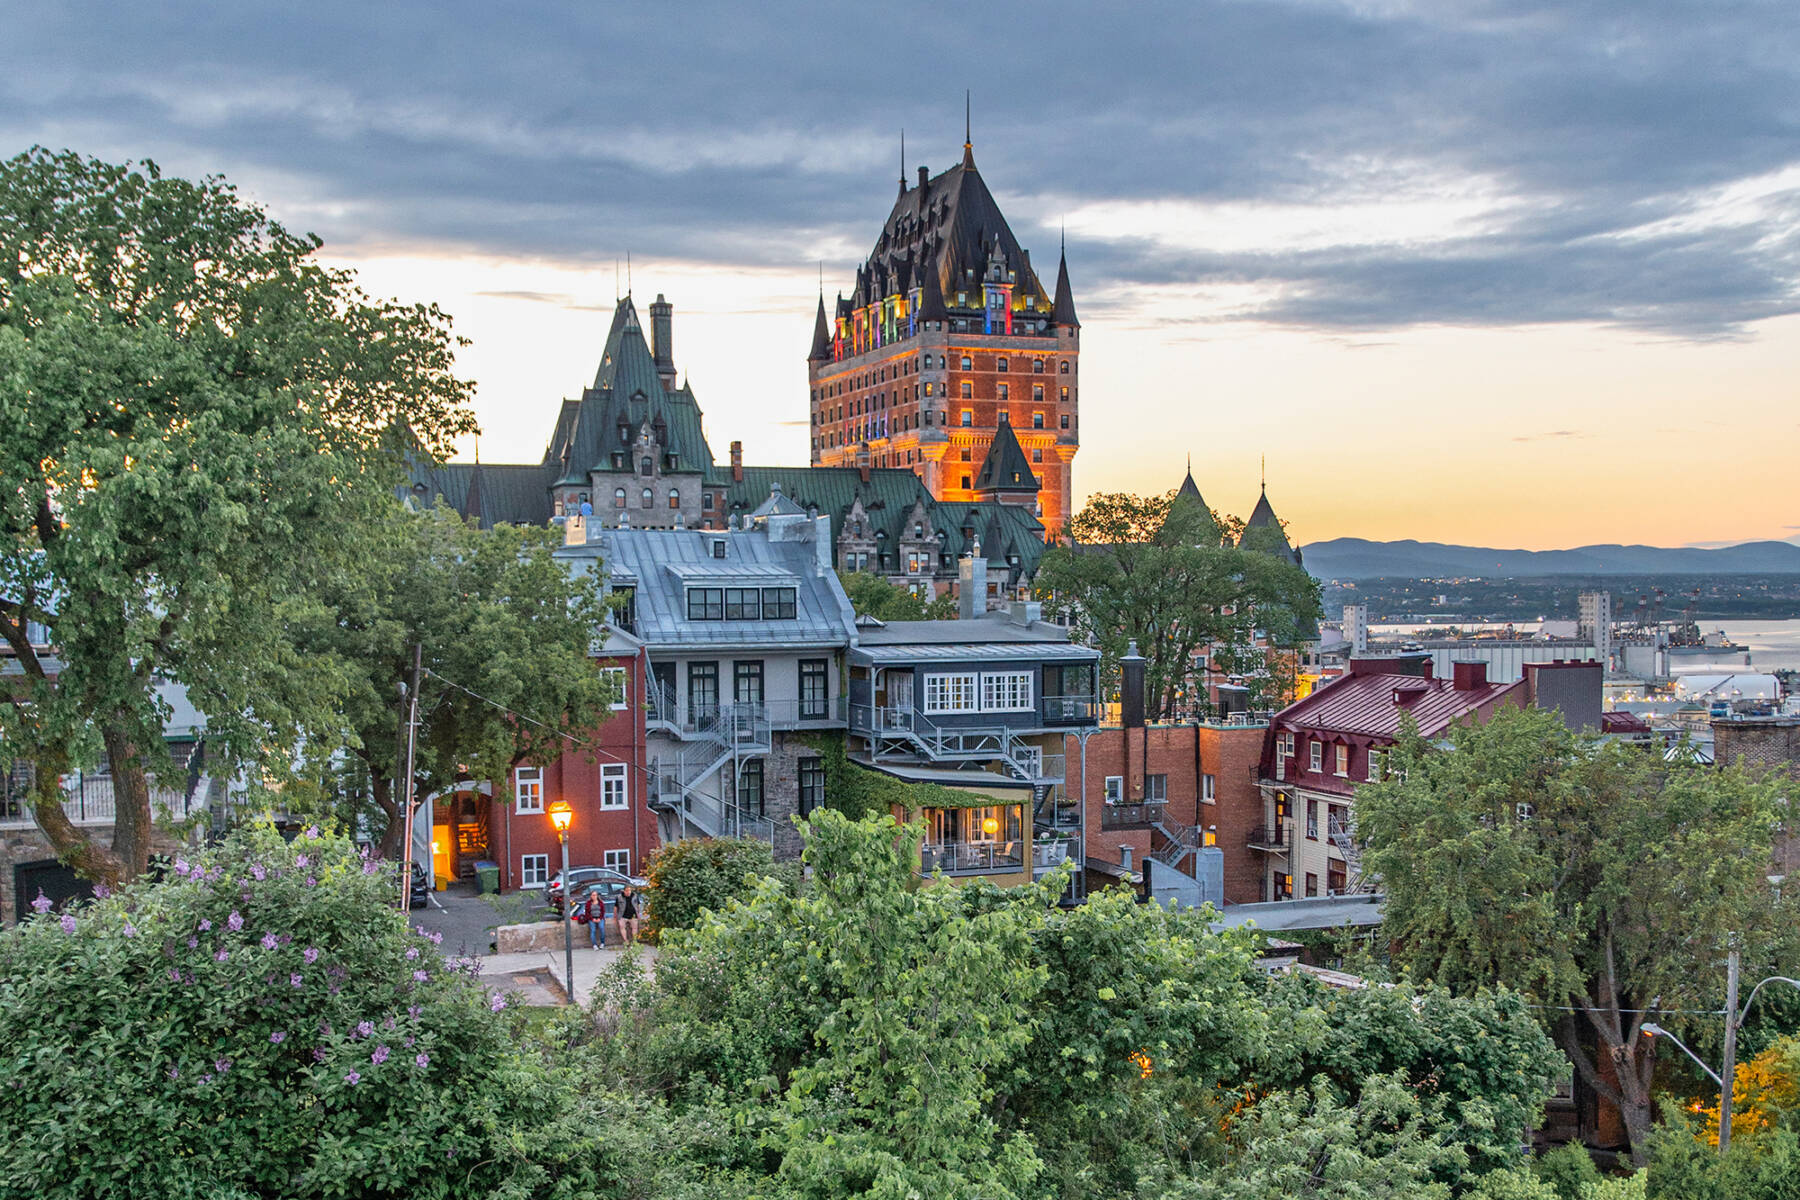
{"x": 1232, "y": 757}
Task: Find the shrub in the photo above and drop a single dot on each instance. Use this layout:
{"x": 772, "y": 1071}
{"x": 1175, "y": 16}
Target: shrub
{"x": 696, "y": 874}
{"x": 1569, "y": 1169}
{"x": 263, "y": 1022}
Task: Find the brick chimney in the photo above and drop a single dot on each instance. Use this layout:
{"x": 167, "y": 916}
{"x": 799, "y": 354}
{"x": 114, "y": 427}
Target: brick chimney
{"x": 1131, "y": 688}
{"x": 737, "y": 462}
{"x": 1468, "y": 676}
{"x": 662, "y": 340}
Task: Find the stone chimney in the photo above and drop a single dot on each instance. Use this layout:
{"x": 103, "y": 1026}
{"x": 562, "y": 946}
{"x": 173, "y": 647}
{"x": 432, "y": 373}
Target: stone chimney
{"x": 737, "y": 462}
{"x": 662, "y": 340}
{"x": 971, "y": 585}
{"x": 1468, "y": 676}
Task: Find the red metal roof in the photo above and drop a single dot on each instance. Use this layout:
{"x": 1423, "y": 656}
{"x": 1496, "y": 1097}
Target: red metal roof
{"x": 1363, "y": 705}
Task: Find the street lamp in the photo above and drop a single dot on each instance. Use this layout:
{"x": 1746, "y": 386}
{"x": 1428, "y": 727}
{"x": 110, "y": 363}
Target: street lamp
{"x": 561, "y": 816}
{"x": 1734, "y": 1020}
{"x": 1654, "y": 1030}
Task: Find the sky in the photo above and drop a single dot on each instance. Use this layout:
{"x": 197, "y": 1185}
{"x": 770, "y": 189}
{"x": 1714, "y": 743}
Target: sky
{"x": 1518, "y": 275}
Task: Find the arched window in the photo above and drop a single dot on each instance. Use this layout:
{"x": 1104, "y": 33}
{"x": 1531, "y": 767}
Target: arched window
{"x": 649, "y": 498}
{"x": 674, "y": 497}
{"x": 1037, "y": 366}
{"x": 1000, "y": 363}
{"x": 1064, "y": 367}
{"x": 618, "y": 497}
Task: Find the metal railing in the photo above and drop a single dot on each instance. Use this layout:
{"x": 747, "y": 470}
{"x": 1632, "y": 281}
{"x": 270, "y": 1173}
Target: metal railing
{"x": 954, "y": 857}
{"x": 1057, "y": 811}
{"x": 1278, "y": 838}
{"x": 1051, "y": 852}
{"x": 703, "y": 720}
{"x": 956, "y": 743}
{"x": 1128, "y": 816}
{"x": 90, "y": 800}
{"x": 1071, "y": 708}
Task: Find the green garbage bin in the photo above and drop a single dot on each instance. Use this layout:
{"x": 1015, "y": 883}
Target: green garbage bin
{"x": 487, "y": 878}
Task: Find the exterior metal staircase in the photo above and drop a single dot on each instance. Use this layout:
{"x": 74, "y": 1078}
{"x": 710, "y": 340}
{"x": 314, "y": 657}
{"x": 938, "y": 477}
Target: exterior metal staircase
{"x": 901, "y": 732}
{"x": 716, "y": 739}
{"x": 1344, "y": 838}
{"x": 1172, "y": 843}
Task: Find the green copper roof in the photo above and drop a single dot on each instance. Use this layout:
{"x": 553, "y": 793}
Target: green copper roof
{"x": 1005, "y": 469}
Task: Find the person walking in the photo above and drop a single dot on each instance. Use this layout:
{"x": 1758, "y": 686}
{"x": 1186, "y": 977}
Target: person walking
{"x": 629, "y": 902}
{"x": 593, "y": 914}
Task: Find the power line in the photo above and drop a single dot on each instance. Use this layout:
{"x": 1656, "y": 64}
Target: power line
{"x": 527, "y": 718}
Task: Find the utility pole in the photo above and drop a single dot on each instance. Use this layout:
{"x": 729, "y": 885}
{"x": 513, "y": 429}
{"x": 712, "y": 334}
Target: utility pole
{"x": 406, "y": 776}
{"x": 1729, "y": 1073}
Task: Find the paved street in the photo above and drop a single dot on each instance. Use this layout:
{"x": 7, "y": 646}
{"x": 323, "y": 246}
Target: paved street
{"x": 467, "y": 921}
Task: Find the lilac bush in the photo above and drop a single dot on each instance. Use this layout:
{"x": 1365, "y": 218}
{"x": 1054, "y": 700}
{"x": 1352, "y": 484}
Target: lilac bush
{"x": 157, "y": 1043}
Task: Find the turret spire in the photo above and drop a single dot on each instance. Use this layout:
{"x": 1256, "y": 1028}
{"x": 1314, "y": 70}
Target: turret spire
{"x": 968, "y": 137}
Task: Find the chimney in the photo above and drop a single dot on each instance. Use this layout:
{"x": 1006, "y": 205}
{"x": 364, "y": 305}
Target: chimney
{"x": 1468, "y": 676}
{"x": 1131, "y": 688}
{"x": 662, "y": 340}
{"x": 971, "y": 586}
{"x": 924, "y": 178}
{"x": 737, "y": 462}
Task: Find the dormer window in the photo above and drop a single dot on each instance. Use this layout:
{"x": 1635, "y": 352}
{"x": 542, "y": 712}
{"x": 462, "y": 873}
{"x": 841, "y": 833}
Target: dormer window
{"x": 718, "y": 548}
{"x": 646, "y": 466}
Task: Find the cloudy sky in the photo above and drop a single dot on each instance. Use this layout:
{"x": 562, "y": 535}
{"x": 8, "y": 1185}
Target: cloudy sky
{"x": 1513, "y": 274}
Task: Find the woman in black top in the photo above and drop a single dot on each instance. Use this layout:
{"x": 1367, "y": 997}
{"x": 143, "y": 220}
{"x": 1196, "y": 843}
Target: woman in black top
{"x": 628, "y": 915}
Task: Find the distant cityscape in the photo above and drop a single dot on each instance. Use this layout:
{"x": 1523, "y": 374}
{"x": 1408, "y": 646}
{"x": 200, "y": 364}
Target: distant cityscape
{"x": 1489, "y": 600}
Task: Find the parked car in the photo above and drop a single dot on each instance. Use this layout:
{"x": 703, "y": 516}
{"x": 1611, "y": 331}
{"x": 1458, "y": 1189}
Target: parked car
{"x": 581, "y": 879}
{"x": 417, "y": 892}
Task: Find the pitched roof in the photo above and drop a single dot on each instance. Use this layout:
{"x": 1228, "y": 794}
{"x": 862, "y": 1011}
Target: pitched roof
{"x": 821, "y": 346}
{"x": 1263, "y": 517}
{"x": 1063, "y": 311}
{"x": 491, "y": 494}
{"x": 1364, "y": 705}
{"x": 1005, "y": 469}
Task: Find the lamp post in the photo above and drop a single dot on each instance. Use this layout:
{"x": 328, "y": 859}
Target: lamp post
{"x": 560, "y": 816}
{"x": 1734, "y": 1019}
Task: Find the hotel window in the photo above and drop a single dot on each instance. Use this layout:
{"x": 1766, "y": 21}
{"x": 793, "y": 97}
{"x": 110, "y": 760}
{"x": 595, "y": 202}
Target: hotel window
{"x": 968, "y": 417}
{"x": 1037, "y": 366}
{"x": 747, "y": 682}
{"x": 613, "y": 786}
{"x": 620, "y": 680}
{"x": 534, "y": 870}
{"x": 815, "y": 694}
{"x": 649, "y": 498}
{"x": 778, "y": 604}
{"x": 1037, "y": 456}
{"x": 1312, "y": 820}
{"x": 528, "y": 789}
{"x": 750, "y": 787}
{"x": 1063, "y": 367}
{"x": 928, "y": 390}
{"x": 1037, "y": 395}
{"x": 705, "y": 604}
{"x": 812, "y": 785}
{"x": 618, "y": 497}
{"x": 1315, "y": 754}
{"x": 1065, "y": 420}
{"x": 951, "y": 693}
{"x": 674, "y": 497}
{"x": 1156, "y": 787}
{"x": 743, "y": 604}
{"x": 1342, "y": 763}
{"x": 968, "y": 364}
{"x": 1065, "y": 395}
{"x": 1004, "y": 394}
{"x": 617, "y": 860}
{"x": 1000, "y": 363}
{"x": 1006, "y": 691}
{"x": 1115, "y": 789}
{"x": 968, "y": 454}
{"x": 1374, "y": 766}
{"x": 1209, "y": 788}
{"x": 968, "y": 393}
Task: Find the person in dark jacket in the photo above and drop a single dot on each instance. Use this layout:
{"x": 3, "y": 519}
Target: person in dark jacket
{"x": 629, "y": 904}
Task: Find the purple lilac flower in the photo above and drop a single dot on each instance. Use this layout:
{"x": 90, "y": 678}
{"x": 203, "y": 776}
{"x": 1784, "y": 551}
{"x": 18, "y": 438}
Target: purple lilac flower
{"x": 334, "y": 989}
{"x": 324, "y": 1028}
{"x": 193, "y": 942}
{"x": 199, "y": 872}
{"x": 206, "y": 1078}
{"x": 412, "y": 952}
{"x": 295, "y": 980}
{"x": 311, "y": 955}
{"x": 423, "y": 1061}
{"x": 181, "y": 866}
{"x": 318, "y": 1054}
{"x": 278, "y": 1037}
{"x": 101, "y": 891}
{"x": 234, "y": 922}
{"x": 174, "y": 975}
{"x": 221, "y": 1065}
{"x": 42, "y": 904}
{"x": 257, "y": 873}
{"x": 369, "y": 866}
{"x": 312, "y": 833}
{"x": 352, "y": 1078}
{"x": 421, "y": 976}
{"x": 301, "y": 860}
{"x": 388, "y": 1024}
{"x": 380, "y": 1056}
{"x": 130, "y": 930}
{"x": 205, "y": 925}
{"x": 311, "y": 882}
{"x": 413, "y": 1011}
{"x": 269, "y": 942}
{"x": 67, "y": 923}
{"x": 408, "y": 1040}
{"x": 497, "y": 1001}
{"x": 223, "y": 955}
{"x": 174, "y": 1072}
{"x": 364, "y": 1028}
{"x": 244, "y": 895}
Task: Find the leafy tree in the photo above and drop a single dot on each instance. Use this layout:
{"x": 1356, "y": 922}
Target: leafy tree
{"x": 873, "y": 595}
{"x": 694, "y": 875}
{"x": 263, "y": 1023}
{"x": 1594, "y": 877}
{"x": 497, "y": 616}
{"x": 195, "y": 418}
{"x": 1166, "y": 574}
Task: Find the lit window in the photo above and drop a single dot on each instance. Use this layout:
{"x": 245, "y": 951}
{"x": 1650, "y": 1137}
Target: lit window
{"x": 613, "y": 786}
{"x": 951, "y": 693}
{"x": 674, "y": 497}
{"x": 528, "y": 789}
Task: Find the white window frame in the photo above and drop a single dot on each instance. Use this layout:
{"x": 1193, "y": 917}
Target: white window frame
{"x": 617, "y": 860}
{"x": 1341, "y": 761}
{"x": 1114, "y": 789}
{"x": 1315, "y": 755}
{"x": 622, "y": 677}
{"x": 1156, "y": 787}
{"x": 1209, "y": 788}
{"x": 528, "y": 789}
{"x": 1006, "y": 691}
{"x": 953, "y": 692}
{"x": 615, "y": 787}
{"x": 534, "y": 870}
{"x": 1375, "y": 757}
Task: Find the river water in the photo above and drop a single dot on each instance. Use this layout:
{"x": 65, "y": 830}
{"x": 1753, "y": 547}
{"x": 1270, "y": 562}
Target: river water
{"x": 1772, "y": 645}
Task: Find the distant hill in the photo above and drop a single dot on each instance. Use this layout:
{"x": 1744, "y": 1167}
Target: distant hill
{"x": 1359, "y": 558}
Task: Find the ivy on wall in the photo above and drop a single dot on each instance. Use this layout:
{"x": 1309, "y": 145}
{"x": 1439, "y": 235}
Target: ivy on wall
{"x": 858, "y": 792}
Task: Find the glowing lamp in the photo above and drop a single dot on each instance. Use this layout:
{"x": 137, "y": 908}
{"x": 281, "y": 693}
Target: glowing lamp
{"x": 990, "y": 825}
{"x": 561, "y": 815}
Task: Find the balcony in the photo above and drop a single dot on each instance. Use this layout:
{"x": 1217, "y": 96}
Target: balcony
{"x": 1071, "y": 710}
{"x": 89, "y": 800}
{"x": 1278, "y": 839}
{"x": 1051, "y": 852}
{"x": 1133, "y": 816}
{"x": 1056, "y": 811}
{"x": 971, "y": 858}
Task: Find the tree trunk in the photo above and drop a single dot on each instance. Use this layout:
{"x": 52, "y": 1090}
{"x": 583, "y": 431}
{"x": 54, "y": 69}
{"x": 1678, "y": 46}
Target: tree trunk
{"x": 1632, "y": 1064}
{"x": 86, "y": 857}
{"x": 133, "y": 823}
{"x": 382, "y": 789}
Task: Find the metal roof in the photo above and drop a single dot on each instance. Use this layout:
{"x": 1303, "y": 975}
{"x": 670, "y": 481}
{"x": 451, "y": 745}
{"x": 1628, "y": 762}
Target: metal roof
{"x": 995, "y": 626}
{"x": 975, "y": 652}
{"x": 823, "y": 616}
{"x": 1319, "y": 912}
{"x": 1363, "y": 705}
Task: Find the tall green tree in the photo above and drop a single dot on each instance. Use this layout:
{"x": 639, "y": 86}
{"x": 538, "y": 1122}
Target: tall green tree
{"x": 873, "y": 596}
{"x": 1165, "y": 572}
{"x": 506, "y": 633}
{"x": 195, "y": 419}
{"x": 1600, "y": 879}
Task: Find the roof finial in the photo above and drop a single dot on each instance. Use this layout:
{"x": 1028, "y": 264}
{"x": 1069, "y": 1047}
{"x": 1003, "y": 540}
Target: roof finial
{"x": 968, "y": 137}
{"x": 903, "y": 158}
{"x": 628, "y": 272}
{"x": 1265, "y": 474}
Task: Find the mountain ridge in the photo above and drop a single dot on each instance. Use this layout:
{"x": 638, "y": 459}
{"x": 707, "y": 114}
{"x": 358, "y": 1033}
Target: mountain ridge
{"x": 1361, "y": 558}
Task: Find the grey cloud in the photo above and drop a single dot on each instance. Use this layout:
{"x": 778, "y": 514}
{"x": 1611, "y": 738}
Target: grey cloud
{"x": 743, "y": 135}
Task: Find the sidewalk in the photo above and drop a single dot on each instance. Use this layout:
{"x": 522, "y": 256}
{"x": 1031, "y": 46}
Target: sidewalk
{"x": 499, "y": 968}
